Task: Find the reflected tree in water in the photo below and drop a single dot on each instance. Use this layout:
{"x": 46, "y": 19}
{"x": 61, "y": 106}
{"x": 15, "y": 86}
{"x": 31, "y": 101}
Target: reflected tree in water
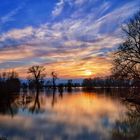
{"x": 8, "y": 105}
{"x": 54, "y": 99}
{"x": 36, "y": 105}
{"x": 129, "y": 127}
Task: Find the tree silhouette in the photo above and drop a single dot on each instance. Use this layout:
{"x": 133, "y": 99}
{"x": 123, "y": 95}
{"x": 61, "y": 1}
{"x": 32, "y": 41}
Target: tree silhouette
{"x": 38, "y": 74}
{"x": 13, "y": 82}
{"x": 9, "y": 82}
{"x": 127, "y": 57}
{"x": 69, "y": 85}
{"x": 54, "y": 78}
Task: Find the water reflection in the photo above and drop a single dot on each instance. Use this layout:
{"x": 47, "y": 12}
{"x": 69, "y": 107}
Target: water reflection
{"x": 61, "y": 115}
{"x": 128, "y": 127}
{"x": 36, "y": 105}
{"x": 8, "y": 106}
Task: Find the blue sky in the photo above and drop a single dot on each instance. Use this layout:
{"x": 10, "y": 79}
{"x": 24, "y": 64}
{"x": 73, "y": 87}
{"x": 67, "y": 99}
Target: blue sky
{"x": 75, "y": 38}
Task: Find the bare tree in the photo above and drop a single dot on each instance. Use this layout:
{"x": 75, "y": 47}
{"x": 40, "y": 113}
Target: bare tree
{"x": 37, "y": 73}
{"x": 127, "y": 57}
{"x": 54, "y": 78}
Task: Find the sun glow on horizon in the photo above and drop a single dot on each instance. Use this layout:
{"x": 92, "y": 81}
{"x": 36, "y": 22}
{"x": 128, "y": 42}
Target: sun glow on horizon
{"x": 88, "y": 72}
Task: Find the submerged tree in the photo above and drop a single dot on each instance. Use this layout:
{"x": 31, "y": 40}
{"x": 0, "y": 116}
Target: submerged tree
{"x": 54, "y": 78}
{"x": 38, "y": 74}
{"x": 127, "y": 58}
{"x": 69, "y": 85}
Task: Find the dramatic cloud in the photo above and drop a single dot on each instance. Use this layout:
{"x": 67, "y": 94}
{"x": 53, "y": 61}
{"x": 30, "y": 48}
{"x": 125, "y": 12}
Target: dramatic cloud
{"x": 71, "y": 43}
{"x": 17, "y": 34}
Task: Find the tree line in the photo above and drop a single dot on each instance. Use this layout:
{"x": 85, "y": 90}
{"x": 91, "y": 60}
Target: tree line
{"x": 10, "y": 81}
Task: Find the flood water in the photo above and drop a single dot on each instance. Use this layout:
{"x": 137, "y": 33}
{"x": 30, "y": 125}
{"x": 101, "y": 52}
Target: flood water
{"x": 78, "y": 115}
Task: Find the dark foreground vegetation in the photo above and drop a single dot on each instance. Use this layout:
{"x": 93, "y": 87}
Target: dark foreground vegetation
{"x": 127, "y": 57}
{"x": 9, "y": 82}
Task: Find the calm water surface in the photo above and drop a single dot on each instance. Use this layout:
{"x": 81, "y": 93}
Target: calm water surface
{"x": 69, "y": 116}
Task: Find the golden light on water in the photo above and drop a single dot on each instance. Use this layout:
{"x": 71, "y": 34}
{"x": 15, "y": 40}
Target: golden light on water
{"x": 75, "y": 112}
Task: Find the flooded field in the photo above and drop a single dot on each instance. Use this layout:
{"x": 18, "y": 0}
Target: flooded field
{"x": 78, "y": 115}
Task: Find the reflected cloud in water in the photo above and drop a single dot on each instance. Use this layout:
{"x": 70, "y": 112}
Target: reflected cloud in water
{"x": 55, "y": 116}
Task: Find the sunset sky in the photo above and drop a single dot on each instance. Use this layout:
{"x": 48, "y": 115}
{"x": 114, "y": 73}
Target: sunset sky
{"x": 74, "y": 38}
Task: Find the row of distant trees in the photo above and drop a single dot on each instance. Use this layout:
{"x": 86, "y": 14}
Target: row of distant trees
{"x": 36, "y": 79}
{"x": 10, "y": 81}
{"x": 109, "y": 82}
